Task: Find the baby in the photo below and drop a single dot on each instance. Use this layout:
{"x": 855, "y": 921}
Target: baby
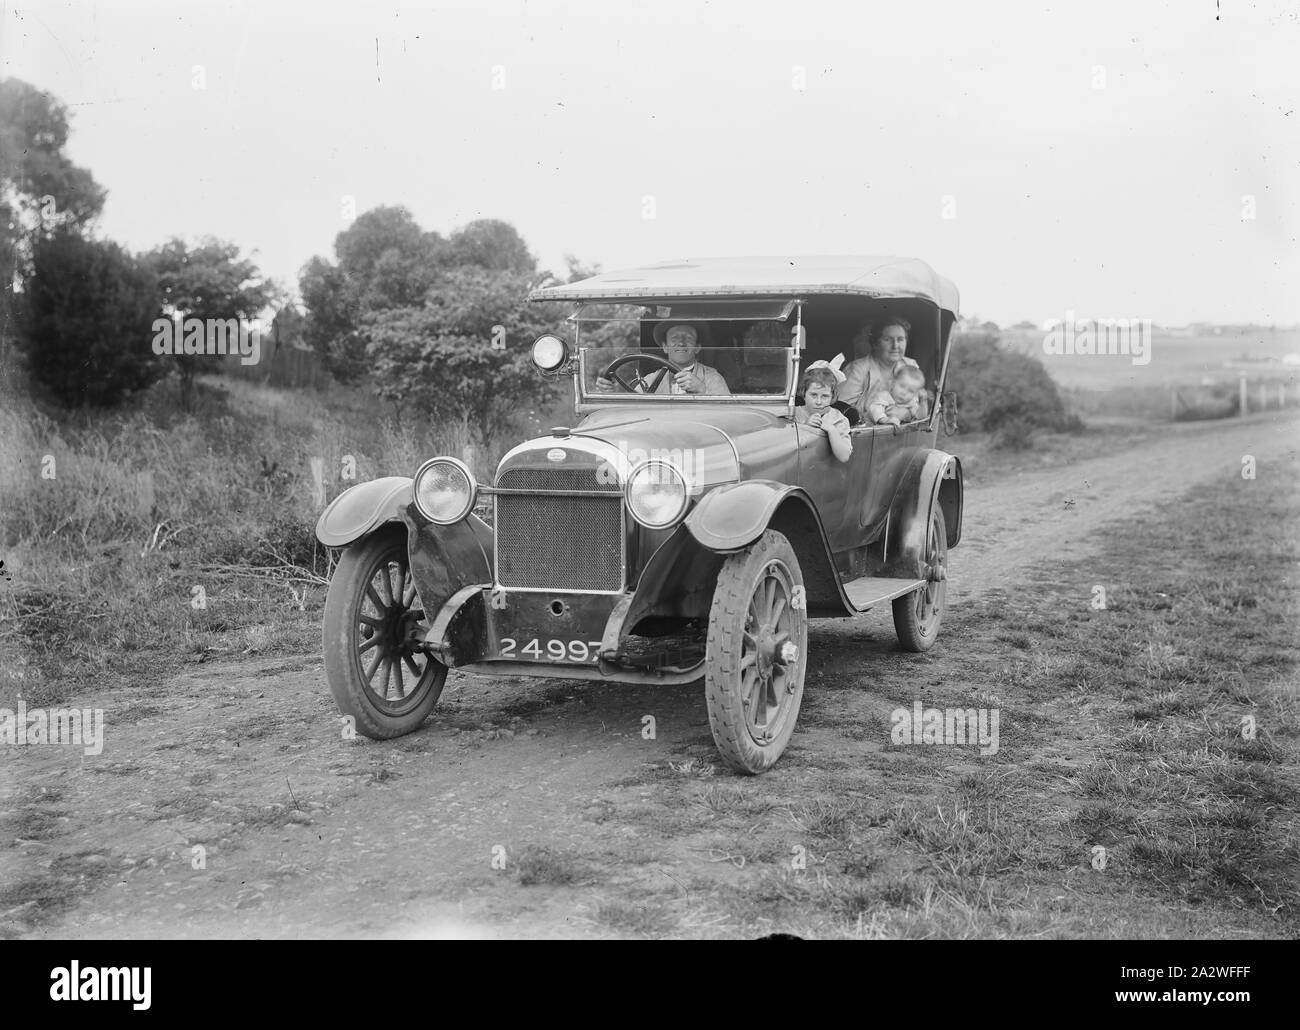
{"x": 818, "y": 389}
{"x": 904, "y": 400}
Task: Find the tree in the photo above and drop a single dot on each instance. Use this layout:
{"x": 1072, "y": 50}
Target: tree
{"x": 577, "y": 271}
{"x": 492, "y": 244}
{"x": 287, "y": 333}
{"x": 388, "y": 259}
{"x": 90, "y": 311}
{"x": 385, "y": 260}
{"x": 288, "y": 327}
{"x": 41, "y": 191}
{"x": 332, "y": 316}
{"x": 441, "y": 358}
{"x": 208, "y": 281}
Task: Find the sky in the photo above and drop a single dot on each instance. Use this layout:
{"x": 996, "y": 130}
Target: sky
{"x": 1137, "y": 159}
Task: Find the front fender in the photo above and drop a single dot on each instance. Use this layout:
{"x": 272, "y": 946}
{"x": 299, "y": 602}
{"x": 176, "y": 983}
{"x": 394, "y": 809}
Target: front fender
{"x": 359, "y": 509}
{"x": 932, "y": 477}
{"x": 447, "y": 559}
{"x": 732, "y": 517}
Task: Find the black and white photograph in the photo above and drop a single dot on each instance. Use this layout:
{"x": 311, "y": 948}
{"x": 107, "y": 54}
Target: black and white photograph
{"x": 696, "y": 470}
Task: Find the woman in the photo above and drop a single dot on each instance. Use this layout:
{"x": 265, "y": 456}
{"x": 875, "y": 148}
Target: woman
{"x": 877, "y": 352}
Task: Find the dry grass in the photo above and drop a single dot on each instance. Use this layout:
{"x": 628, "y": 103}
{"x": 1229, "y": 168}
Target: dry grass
{"x": 136, "y": 508}
{"x": 1121, "y": 730}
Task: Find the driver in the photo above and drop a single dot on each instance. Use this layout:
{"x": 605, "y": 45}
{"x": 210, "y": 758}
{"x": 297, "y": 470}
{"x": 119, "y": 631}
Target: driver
{"x": 680, "y": 342}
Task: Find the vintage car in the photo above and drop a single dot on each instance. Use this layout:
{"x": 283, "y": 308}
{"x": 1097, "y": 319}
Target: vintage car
{"x": 665, "y": 536}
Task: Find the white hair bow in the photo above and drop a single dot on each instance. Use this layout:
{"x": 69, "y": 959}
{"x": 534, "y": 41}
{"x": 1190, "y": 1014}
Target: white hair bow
{"x": 834, "y": 365}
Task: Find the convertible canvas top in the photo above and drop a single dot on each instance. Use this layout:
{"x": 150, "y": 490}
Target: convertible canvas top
{"x": 883, "y": 276}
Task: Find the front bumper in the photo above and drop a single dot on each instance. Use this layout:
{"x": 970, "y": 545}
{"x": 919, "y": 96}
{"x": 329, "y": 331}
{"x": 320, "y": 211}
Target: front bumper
{"x": 544, "y": 634}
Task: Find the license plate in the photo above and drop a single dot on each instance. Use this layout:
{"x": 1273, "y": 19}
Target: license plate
{"x": 553, "y": 650}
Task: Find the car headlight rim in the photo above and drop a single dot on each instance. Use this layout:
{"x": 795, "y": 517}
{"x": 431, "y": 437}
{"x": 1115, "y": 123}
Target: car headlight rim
{"x": 666, "y": 516}
{"x": 545, "y": 347}
{"x": 445, "y": 516}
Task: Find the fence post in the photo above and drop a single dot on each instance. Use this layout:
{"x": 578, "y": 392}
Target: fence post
{"x": 1263, "y": 396}
{"x": 318, "y": 482}
{"x": 144, "y": 498}
{"x": 1281, "y": 396}
{"x": 1242, "y": 391}
{"x": 1173, "y": 405}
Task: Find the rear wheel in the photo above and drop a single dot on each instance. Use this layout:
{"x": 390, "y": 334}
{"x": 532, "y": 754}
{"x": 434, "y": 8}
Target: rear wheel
{"x": 917, "y": 615}
{"x": 373, "y": 635}
{"x": 756, "y": 653}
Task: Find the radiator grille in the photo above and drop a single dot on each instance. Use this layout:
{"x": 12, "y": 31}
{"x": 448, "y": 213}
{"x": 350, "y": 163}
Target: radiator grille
{"x": 559, "y": 543}
{"x": 556, "y": 477}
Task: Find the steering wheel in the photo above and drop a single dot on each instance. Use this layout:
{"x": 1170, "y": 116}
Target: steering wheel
{"x": 611, "y": 371}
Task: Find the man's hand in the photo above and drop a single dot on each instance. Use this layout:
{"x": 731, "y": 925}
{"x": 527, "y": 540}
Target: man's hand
{"x": 604, "y": 385}
{"x": 689, "y": 381}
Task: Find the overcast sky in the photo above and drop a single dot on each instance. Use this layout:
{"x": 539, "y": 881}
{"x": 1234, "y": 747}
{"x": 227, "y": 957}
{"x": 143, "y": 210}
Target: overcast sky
{"x": 1096, "y": 156}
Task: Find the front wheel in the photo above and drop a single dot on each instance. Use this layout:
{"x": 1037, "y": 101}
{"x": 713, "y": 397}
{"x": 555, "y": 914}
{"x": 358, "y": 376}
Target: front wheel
{"x": 757, "y": 649}
{"x": 917, "y": 615}
{"x": 373, "y": 639}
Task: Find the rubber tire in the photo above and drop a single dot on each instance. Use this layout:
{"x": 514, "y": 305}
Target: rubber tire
{"x": 731, "y": 597}
{"x": 358, "y": 564}
{"x": 913, "y": 633}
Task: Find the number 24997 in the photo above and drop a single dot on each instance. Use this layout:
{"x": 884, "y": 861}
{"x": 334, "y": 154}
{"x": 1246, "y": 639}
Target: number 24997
{"x": 551, "y": 650}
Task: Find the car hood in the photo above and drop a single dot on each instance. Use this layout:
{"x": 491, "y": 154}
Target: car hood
{"x": 708, "y": 444}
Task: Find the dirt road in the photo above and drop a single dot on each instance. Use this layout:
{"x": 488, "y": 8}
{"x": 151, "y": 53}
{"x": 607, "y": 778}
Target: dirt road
{"x": 305, "y": 834}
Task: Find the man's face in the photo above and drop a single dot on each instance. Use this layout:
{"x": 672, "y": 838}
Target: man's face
{"x": 680, "y": 345}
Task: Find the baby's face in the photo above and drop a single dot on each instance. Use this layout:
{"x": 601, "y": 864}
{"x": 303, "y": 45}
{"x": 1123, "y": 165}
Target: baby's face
{"x": 905, "y": 391}
{"x": 818, "y": 397}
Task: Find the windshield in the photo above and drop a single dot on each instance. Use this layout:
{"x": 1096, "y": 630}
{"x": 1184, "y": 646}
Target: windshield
{"x": 686, "y": 350}
{"x": 610, "y": 372}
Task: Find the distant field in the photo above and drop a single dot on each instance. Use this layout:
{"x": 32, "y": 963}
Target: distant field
{"x": 1114, "y": 385}
{"x": 1175, "y": 360}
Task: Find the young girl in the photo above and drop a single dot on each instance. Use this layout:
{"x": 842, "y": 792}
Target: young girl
{"x": 818, "y": 389}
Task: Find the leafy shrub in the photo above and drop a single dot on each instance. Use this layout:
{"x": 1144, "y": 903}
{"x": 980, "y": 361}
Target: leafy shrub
{"x": 1010, "y": 395}
{"x": 1014, "y": 434}
{"x": 1222, "y": 400}
{"x": 90, "y": 312}
{"x": 439, "y": 359}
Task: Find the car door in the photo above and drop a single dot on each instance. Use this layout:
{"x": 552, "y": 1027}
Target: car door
{"x": 892, "y": 450}
{"x": 834, "y": 485}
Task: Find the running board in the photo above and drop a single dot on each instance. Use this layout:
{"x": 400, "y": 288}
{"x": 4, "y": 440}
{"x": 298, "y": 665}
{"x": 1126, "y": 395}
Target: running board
{"x": 870, "y": 591}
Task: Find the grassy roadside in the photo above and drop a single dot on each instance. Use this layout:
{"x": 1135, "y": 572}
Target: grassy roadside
{"x": 1147, "y": 782}
{"x": 110, "y": 524}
